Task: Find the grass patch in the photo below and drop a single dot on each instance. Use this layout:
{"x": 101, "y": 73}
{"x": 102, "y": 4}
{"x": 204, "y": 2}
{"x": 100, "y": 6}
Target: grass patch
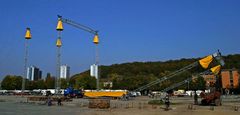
{"x": 156, "y": 102}
{"x": 159, "y": 102}
{"x": 1, "y": 100}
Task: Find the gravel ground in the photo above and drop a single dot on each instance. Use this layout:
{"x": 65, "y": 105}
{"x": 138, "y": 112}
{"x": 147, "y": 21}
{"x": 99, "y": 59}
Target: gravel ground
{"x": 16, "y": 105}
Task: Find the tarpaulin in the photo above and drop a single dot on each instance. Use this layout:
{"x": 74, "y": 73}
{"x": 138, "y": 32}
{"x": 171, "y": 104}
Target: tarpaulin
{"x": 105, "y": 94}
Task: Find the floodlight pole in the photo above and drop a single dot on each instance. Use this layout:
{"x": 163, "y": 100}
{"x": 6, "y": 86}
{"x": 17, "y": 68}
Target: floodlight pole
{"x": 27, "y": 37}
{"x": 25, "y": 67}
{"x": 97, "y": 61}
{"x": 58, "y": 44}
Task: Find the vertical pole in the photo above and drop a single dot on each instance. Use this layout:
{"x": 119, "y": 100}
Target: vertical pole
{"x": 97, "y": 81}
{"x": 56, "y": 77}
{"x": 96, "y": 55}
{"x": 58, "y": 44}
{"x": 58, "y": 80}
{"x": 97, "y": 62}
{"x": 59, "y": 64}
{"x": 57, "y": 71}
{"x": 25, "y": 66}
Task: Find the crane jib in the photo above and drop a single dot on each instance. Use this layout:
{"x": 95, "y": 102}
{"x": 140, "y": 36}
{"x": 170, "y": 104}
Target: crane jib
{"x": 79, "y": 26}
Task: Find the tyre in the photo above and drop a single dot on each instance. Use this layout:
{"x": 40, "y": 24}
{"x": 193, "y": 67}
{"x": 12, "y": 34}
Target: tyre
{"x": 217, "y": 102}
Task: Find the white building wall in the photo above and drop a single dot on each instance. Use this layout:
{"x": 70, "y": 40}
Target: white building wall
{"x": 64, "y": 71}
{"x": 30, "y": 72}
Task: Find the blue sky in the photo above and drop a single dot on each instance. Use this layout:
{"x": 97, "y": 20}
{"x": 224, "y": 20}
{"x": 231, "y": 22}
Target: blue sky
{"x": 129, "y": 30}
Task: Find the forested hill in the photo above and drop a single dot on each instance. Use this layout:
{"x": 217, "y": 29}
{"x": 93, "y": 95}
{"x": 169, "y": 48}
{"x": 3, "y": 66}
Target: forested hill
{"x": 126, "y": 74}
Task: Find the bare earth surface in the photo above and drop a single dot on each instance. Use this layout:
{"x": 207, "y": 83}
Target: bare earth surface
{"x": 16, "y": 105}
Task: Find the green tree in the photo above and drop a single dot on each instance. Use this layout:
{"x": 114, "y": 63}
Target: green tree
{"x": 136, "y": 74}
{"x": 86, "y": 82}
{"x": 32, "y": 85}
{"x": 40, "y": 84}
{"x": 198, "y": 84}
{"x": 49, "y": 81}
{"x": 63, "y": 83}
{"x": 12, "y": 82}
{"x": 28, "y": 85}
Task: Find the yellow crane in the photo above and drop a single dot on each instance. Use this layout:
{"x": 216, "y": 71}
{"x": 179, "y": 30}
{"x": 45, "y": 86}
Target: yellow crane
{"x": 59, "y": 28}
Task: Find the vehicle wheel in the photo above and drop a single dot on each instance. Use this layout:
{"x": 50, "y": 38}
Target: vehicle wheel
{"x": 217, "y": 102}
{"x": 204, "y": 102}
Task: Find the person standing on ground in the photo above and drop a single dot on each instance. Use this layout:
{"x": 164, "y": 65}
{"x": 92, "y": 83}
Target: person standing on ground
{"x": 59, "y": 101}
{"x": 49, "y": 101}
{"x": 195, "y": 98}
{"x": 167, "y": 102}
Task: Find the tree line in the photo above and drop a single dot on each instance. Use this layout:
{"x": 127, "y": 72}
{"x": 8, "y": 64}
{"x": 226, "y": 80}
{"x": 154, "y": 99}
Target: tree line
{"x": 12, "y": 82}
{"x": 133, "y": 75}
{"x": 126, "y": 76}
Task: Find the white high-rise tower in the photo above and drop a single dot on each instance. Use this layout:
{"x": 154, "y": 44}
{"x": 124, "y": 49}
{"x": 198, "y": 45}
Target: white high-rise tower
{"x": 64, "y": 71}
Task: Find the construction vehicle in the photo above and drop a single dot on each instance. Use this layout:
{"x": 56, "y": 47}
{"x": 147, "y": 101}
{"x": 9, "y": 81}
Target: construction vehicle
{"x": 212, "y": 98}
{"x": 203, "y": 62}
{"x": 73, "y": 93}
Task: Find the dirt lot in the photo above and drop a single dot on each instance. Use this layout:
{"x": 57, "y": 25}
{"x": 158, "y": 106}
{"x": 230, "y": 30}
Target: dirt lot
{"x": 12, "y": 105}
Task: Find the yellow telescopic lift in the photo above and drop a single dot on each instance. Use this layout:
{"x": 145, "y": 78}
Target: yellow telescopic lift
{"x": 214, "y": 70}
{"x": 203, "y": 62}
